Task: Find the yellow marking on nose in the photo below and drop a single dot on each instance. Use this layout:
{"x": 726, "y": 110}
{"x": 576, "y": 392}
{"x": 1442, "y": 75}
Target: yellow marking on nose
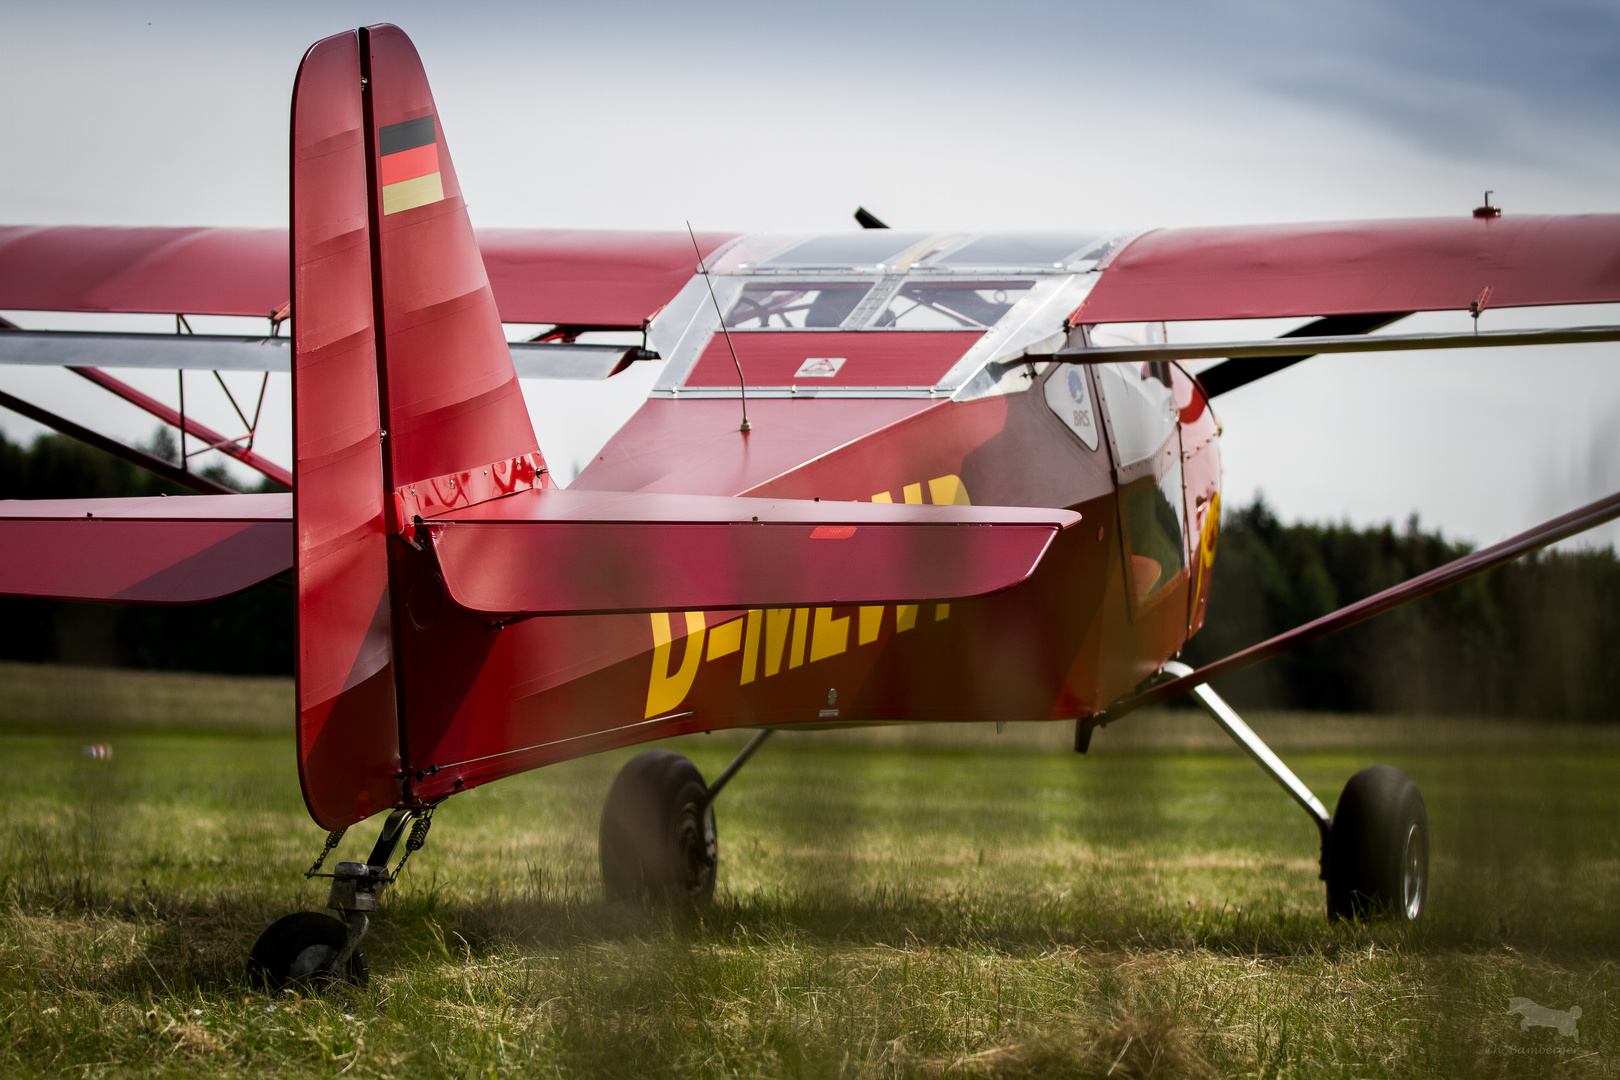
{"x": 871, "y": 622}
{"x": 905, "y": 617}
{"x": 942, "y": 612}
{"x": 831, "y": 635}
{"x": 882, "y": 496}
{"x": 912, "y": 493}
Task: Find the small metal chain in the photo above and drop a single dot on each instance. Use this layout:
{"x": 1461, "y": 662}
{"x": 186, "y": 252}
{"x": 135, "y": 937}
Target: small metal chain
{"x": 414, "y": 842}
{"x": 333, "y": 838}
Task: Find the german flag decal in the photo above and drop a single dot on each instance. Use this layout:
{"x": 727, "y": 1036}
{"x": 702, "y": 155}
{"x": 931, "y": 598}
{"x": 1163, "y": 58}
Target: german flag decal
{"x": 409, "y": 172}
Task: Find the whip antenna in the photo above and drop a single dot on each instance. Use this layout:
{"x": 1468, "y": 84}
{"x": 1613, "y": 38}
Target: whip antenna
{"x": 746, "y": 426}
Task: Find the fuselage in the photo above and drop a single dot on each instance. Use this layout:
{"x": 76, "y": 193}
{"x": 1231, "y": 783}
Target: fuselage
{"x": 892, "y": 368}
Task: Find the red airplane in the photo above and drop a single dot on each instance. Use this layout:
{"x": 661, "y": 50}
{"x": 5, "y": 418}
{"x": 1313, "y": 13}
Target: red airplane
{"x": 884, "y": 477}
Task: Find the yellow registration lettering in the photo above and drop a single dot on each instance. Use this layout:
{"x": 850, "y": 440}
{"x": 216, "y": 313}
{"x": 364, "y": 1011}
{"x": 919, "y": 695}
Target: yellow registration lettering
{"x": 665, "y": 691}
{"x": 750, "y": 664}
{"x": 871, "y": 623}
{"x": 948, "y": 491}
{"x": 776, "y": 633}
{"x": 830, "y": 636}
{"x": 725, "y": 639}
{"x": 801, "y": 628}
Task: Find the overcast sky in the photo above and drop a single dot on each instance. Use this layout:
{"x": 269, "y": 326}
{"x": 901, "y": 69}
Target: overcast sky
{"x": 934, "y": 115}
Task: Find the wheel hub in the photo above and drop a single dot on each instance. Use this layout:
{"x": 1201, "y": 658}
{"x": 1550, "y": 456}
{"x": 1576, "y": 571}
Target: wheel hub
{"x": 1414, "y": 871}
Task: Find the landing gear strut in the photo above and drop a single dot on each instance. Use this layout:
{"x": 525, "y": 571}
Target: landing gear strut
{"x": 1375, "y": 847}
{"x": 658, "y": 835}
{"x": 313, "y": 950}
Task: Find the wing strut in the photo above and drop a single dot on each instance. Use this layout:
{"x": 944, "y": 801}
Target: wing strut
{"x": 189, "y": 425}
{"x": 1232, "y": 374}
{"x": 138, "y": 458}
{"x": 1550, "y": 532}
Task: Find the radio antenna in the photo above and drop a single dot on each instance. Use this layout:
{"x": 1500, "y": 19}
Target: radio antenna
{"x": 743, "y": 383}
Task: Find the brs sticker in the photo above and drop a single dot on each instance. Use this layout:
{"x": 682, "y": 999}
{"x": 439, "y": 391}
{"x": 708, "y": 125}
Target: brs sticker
{"x": 819, "y": 367}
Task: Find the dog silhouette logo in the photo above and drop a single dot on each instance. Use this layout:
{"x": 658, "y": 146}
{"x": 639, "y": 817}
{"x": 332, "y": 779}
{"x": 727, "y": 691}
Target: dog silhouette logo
{"x": 1533, "y": 1015}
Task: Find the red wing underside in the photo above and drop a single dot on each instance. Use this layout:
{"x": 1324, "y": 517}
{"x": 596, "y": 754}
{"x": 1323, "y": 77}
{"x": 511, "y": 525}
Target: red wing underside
{"x": 144, "y": 551}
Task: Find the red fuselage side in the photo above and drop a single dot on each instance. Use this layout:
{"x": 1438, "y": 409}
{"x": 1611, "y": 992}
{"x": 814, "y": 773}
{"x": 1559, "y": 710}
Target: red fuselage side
{"x": 1063, "y": 644}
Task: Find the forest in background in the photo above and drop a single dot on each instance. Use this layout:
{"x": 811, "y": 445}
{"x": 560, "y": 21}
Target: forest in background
{"x": 1534, "y": 638}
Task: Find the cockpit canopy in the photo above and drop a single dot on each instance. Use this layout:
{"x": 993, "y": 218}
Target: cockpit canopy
{"x": 877, "y": 311}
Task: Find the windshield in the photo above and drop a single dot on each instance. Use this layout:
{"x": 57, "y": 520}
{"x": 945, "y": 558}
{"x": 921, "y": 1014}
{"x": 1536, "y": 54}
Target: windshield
{"x": 950, "y": 305}
{"x": 795, "y": 306}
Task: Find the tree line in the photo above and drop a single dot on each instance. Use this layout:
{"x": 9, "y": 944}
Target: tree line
{"x": 1533, "y": 638}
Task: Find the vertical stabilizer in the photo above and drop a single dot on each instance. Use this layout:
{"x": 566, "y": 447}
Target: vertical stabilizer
{"x": 451, "y": 395}
{"x": 406, "y": 402}
{"x": 348, "y": 732}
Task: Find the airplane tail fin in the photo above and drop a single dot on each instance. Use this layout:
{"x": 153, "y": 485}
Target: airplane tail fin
{"x": 405, "y": 398}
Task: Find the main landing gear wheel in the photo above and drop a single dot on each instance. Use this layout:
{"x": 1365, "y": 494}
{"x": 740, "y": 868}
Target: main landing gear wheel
{"x": 1378, "y": 848}
{"x": 658, "y": 836}
{"x": 298, "y": 950}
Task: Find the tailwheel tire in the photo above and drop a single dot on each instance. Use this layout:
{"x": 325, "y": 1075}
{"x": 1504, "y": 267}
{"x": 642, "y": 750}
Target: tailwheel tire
{"x": 1378, "y": 848}
{"x": 298, "y": 950}
{"x": 657, "y": 838}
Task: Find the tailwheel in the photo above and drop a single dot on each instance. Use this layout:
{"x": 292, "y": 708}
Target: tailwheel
{"x": 658, "y": 835}
{"x": 1378, "y": 849}
{"x": 300, "y": 950}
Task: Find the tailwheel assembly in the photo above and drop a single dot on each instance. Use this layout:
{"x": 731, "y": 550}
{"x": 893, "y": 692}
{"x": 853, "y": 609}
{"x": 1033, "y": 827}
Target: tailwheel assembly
{"x": 1378, "y": 851}
{"x": 313, "y": 951}
{"x": 301, "y": 949}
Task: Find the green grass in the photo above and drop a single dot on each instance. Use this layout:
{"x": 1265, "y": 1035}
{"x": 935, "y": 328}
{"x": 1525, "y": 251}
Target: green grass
{"x": 934, "y": 904}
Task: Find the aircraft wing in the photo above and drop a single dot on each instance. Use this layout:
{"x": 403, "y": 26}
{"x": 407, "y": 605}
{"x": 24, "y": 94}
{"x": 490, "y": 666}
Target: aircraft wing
{"x": 182, "y": 550}
{"x": 1359, "y": 268}
{"x": 559, "y": 552}
{"x": 578, "y": 279}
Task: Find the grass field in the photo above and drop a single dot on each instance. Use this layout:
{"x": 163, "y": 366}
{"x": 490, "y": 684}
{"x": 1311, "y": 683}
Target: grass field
{"x": 908, "y": 903}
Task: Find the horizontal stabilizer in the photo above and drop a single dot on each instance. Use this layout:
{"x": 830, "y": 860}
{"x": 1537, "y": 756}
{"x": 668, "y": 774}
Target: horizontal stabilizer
{"x": 222, "y": 352}
{"x": 557, "y": 552}
{"x": 143, "y": 551}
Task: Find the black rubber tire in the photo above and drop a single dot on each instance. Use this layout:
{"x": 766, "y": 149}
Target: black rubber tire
{"x": 1378, "y": 849}
{"x": 653, "y": 841}
{"x": 279, "y": 959}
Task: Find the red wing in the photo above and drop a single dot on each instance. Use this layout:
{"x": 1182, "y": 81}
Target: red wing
{"x": 168, "y": 271}
{"x": 571, "y": 277}
{"x": 584, "y": 277}
{"x": 1355, "y": 267}
{"x": 566, "y": 552}
{"x": 144, "y": 551}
